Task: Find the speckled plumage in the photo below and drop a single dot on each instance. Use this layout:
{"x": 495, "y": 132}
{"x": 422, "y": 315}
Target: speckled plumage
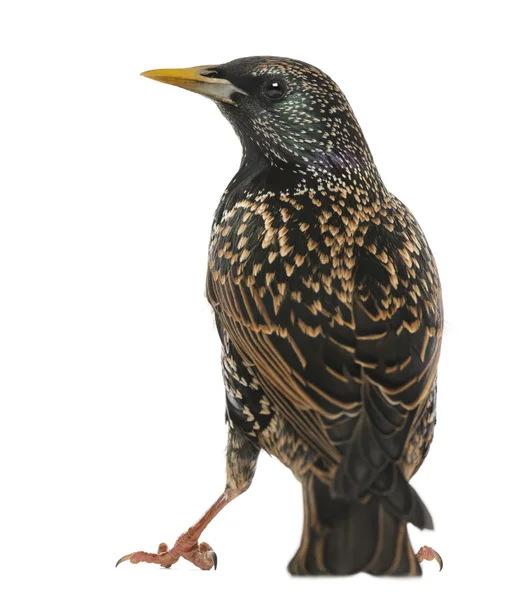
{"x": 328, "y": 304}
{"x": 327, "y": 298}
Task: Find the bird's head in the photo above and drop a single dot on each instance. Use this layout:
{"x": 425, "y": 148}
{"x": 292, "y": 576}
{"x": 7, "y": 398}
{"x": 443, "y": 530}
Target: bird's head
{"x": 285, "y": 112}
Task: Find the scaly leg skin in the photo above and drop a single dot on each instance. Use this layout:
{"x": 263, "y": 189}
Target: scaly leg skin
{"x": 427, "y": 553}
{"x": 241, "y": 460}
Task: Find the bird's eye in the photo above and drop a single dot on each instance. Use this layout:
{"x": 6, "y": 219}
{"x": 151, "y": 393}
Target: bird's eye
{"x": 275, "y": 89}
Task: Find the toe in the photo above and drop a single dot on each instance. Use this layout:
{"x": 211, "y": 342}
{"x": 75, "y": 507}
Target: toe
{"x": 428, "y": 553}
{"x": 164, "y": 559}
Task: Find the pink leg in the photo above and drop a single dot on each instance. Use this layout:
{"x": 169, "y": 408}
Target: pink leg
{"x": 187, "y": 545}
{"x": 241, "y": 460}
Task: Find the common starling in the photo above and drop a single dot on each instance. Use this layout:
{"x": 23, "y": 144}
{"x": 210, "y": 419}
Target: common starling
{"x": 329, "y": 309}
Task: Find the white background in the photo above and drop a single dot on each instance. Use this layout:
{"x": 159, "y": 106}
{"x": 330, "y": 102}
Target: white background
{"x": 112, "y": 415}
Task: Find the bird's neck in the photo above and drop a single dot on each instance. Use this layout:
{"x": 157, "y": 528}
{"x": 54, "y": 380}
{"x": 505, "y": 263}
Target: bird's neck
{"x": 351, "y": 166}
{"x": 345, "y": 156}
{"x": 259, "y": 178}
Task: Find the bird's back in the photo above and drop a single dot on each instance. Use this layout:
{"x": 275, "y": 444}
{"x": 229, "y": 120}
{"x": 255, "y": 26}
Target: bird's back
{"x": 341, "y": 283}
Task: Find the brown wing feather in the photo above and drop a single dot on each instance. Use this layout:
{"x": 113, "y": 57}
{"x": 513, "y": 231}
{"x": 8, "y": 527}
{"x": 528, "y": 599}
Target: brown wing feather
{"x": 280, "y": 380}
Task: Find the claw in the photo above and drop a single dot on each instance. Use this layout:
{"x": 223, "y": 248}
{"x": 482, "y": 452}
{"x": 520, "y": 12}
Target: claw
{"x": 213, "y": 556}
{"x": 427, "y": 553}
{"x": 124, "y": 558}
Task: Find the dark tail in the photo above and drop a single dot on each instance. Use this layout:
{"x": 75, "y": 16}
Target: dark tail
{"x": 344, "y": 537}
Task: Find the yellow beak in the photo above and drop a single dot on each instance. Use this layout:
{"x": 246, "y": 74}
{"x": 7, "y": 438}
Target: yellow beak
{"x": 201, "y": 80}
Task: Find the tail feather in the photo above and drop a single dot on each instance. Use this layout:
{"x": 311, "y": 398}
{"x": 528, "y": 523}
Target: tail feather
{"x": 344, "y": 537}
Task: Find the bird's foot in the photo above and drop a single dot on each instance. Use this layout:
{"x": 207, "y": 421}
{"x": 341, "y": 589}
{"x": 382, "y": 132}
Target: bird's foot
{"x": 187, "y": 547}
{"x": 427, "y": 553}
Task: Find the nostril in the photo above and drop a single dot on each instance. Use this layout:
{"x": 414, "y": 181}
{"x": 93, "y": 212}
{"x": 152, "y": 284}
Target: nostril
{"x": 212, "y": 73}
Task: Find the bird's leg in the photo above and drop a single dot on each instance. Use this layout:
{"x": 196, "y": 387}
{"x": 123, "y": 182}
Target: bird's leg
{"x": 241, "y": 460}
{"x": 427, "y": 553}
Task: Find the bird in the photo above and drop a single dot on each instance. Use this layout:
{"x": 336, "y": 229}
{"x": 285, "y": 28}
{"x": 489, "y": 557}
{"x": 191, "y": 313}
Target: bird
{"x": 328, "y": 305}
